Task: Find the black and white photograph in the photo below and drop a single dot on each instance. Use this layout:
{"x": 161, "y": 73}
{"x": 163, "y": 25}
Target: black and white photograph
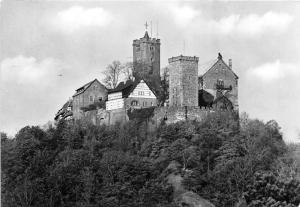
{"x": 150, "y": 103}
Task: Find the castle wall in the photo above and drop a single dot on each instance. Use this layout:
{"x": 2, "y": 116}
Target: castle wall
{"x": 118, "y": 115}
{"x": 183, "y": 81}
{"x": 175, "y": 114}
{"x": 102, "y": 116}
{"x": 96, "y": 90}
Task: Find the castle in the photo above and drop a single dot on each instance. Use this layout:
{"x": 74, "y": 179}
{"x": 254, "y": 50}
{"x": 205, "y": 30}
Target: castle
{"x": 191, "y": 89}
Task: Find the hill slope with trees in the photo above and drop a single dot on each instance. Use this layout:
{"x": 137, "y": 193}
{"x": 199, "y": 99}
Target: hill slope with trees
{"x": 79, "y": 164}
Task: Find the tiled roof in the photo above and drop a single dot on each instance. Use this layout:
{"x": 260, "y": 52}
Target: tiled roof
{"x": 84, "y": 87}
{"x": 128, "y": 87}
{"x": 203, "y": 68}
{"x": 125, "y": 88}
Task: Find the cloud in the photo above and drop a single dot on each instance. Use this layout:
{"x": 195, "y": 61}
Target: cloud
{"x": 28, "y": 70}
{"x": 31, "y": 91}
{"x": 274, "y": 71}
{"x": 78, "y": 17}
{"x": 183, "y": 15}
{"x": 253, "y": 24}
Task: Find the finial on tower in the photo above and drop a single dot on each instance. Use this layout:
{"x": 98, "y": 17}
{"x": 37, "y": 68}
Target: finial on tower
{"x": 146, "y": 25}
{"x": 219, "y": 56}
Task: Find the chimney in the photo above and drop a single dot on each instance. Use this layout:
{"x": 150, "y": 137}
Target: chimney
{"x": 230, "y": 63}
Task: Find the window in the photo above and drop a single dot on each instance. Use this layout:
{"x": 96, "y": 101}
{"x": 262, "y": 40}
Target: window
{"x": 151, "y": 103}
{"x": 134, "y": 103}
{"x": 91, "y": 98}
{"x": 95, "y": 87}
{"x": 100, "y": 98}
{"x": 141, "y": 93}
{"x": 149, "y": 93}
{"x": 220, "y": 83}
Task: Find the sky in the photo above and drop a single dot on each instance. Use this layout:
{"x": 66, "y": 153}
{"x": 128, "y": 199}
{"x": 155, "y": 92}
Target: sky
{"x": 50, "y": 48}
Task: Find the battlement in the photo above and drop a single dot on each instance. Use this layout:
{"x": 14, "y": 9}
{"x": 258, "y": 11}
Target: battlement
{"x": 144, "y": 40}
{"x": 183, "y": 58}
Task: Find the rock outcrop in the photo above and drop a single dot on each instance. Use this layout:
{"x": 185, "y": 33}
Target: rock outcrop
{"x": 183, "y": 197}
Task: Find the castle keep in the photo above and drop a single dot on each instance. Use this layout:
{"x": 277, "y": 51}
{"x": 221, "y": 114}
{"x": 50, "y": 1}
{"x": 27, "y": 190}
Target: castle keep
{"x": 146, "y": 59}
{"x": 193, "y": 90}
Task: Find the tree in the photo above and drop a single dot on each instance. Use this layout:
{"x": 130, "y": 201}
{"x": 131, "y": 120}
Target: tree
{"x": 112, "y": 74}
{"x": 270, "y": 191}
{"x": 128, "y": 71}
{"x": 164, "y": 94}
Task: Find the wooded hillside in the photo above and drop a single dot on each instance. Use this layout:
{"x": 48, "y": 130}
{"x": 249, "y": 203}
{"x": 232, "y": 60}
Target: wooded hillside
{"x": 79, "y": 164}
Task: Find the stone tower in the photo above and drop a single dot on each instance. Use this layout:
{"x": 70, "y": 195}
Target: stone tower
{"x": 183, "y": 81}
{"x": 146, "y": 59}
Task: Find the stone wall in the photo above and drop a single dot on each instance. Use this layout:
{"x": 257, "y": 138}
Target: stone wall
{"x": 183, "y": 81}
{"x": 168, "y": 114}
{"x": 146, "y": 58}
{"x": 101, "y": 116}
{"x": 175, "y": 114}
{"x": 220, "y": 71}
{"x": 83, "y": 99}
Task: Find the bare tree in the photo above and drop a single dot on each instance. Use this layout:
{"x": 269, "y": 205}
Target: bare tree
{"x": 112, "y": 74}
{"x": 128, "y": 71}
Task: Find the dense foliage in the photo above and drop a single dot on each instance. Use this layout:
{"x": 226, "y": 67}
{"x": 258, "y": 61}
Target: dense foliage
{"x": 79, "y": 164}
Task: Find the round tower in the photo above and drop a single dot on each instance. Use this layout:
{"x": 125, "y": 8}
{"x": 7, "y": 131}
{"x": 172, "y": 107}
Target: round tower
{"x": 183, "y": 81}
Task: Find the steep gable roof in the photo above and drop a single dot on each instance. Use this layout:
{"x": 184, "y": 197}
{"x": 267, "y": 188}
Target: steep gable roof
{"x": 86, "y": 86}
{"x": 128, "y": 87}
{"x": 205, "y": 68}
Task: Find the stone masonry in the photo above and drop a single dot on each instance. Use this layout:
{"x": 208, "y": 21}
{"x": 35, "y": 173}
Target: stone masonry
{"x": 183, "y": 81}
{"x": 222, "y": 73}
{"x": 146, "y": 58}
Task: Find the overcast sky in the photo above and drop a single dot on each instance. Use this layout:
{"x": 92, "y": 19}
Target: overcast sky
{"x": 42, "y": 39}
